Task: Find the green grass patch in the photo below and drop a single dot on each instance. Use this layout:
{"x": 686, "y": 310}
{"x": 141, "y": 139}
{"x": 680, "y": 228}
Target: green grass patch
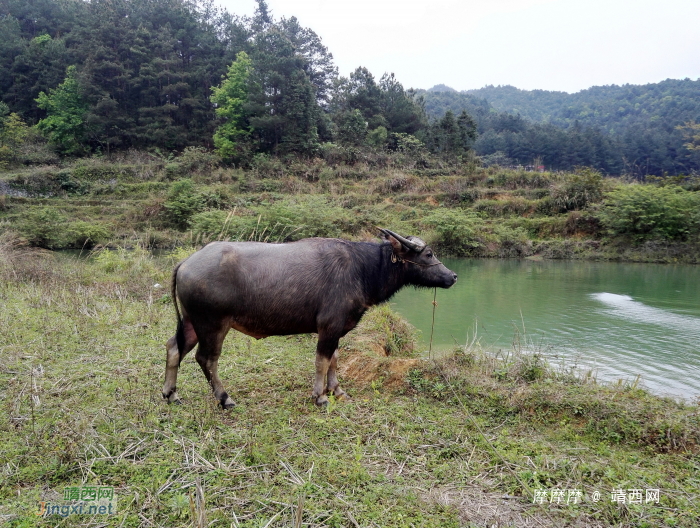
{"x": 83, "y": 364}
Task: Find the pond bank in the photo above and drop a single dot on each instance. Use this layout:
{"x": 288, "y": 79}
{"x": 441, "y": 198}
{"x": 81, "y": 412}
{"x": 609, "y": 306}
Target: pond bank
{"x": 618, "y": 320}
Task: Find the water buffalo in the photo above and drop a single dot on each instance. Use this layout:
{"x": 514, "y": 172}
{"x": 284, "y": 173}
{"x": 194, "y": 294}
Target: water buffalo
{"x": 321, "y": 285}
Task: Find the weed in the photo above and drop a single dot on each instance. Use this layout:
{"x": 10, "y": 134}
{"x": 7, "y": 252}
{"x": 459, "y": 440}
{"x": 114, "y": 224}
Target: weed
{"x": 462, "y": 209}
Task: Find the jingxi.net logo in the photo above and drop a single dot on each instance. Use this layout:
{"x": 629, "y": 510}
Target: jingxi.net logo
{"x": 83, "y": 500}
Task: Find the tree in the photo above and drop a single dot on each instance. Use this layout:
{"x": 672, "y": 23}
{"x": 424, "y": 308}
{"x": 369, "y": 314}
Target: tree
{"x": 13, "y": 133}
{"x": 230, "y": 99}
{"x": 40, "y": 65}
{"x": 183, "y": 202}
{"x": 352, "y": 128}
{"x": 467, "y": 130}
{"x": 300, "y": 134}
{"x": 10, "y": 47}
{"x": 262, "y": 19}
{"x": 451, "y": 136}
{"x": 318, "y": 66}
{"x": 448, "y": 134}
{"x": 64, "y": 124}
{"x": 283, "y": 109}
{"x": 402, "y": 112}
{"x": 360, "y": 92}
{"x": 691, "y": 133}
{"x": 378, "y": 137}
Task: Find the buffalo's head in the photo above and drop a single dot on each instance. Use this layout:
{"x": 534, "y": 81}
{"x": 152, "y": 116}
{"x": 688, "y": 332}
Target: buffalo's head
{"x": 421, "y": 266}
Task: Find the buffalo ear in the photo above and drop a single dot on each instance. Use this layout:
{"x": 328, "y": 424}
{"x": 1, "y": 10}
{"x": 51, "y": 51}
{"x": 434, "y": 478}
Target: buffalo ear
{"x": 395, "y": 243}
{"x": 398, "y": 246}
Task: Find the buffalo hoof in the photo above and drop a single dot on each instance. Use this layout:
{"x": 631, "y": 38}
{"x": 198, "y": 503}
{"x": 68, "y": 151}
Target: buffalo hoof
{"x": 322, "y": 401}
{"x": 173, "y": 397}
{"x": 340, "y": 394}
{"x": 227, "y": 404}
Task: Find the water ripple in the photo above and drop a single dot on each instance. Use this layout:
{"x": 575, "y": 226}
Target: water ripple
{"x": 626, "y": 307}
{"x": 567, "y": 311}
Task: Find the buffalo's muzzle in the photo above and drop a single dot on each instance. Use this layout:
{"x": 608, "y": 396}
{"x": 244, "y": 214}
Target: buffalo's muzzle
{"x": 450, "y": 279}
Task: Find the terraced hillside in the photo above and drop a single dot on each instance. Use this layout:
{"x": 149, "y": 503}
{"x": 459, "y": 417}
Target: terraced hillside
{"x": 463, "y": 210}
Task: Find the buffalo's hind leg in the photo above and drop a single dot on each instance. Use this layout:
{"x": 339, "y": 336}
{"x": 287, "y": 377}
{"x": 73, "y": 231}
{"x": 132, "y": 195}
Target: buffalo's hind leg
{"x": 333, "y": 386}
{"x": 208, "y": 358}
{"x": 173, "y": 359}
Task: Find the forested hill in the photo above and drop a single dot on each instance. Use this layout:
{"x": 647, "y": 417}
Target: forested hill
{"x": 617, "y": 129}
{"x": 94, "y": 76}
{"x": 613, "y": 108}
{"x": 100, "y": 75}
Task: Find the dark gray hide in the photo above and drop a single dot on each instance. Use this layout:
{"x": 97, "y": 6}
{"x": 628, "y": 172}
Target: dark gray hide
{"x": 321, "y": 285}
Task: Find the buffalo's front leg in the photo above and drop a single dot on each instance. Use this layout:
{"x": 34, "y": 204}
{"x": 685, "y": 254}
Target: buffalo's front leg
{"x": 324, "y": 353}
{"x": 333, "y": 386}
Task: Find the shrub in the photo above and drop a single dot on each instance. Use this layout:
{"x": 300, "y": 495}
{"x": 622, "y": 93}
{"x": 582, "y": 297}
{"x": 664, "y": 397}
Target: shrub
{"x": 510, "y": 206}
{"x": 209, "y": 223}
{"x": 385, "y": 332}
{"x": 40, "y": 181}
{"x": 267, "y": 166}
{"x": 397, "y": 335}
{"x": 181, "y": 253}
{"x": 291, "y": 220}
{"x": 578, "y": 190}
{"x": 197, "y": 160}
{"x": 13, "y": 133}
{"x": 70, "y": 185}
{"x": 135, "y": 261}
{"x": 99, "y": 170}
{"x": 172, "y": 170}
{"x": 313, "y": 217}
{"x": 352, "y": 128}
{"x": 644, "y": 211}
{"x": 183, "y": 202}
{"x": 86, "y": 234}
{"x": 43, "y": 227}
{"x": 335, "y": 154}
{"x": 456, "y": 229}
{"x": 377, "y": 137}
{"x": 513, "y": 242}
{"x": 520, "y": 179}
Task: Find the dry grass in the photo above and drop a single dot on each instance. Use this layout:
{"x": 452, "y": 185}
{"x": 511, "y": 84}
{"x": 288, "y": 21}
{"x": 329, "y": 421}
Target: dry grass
{"x": 80, "y": 381}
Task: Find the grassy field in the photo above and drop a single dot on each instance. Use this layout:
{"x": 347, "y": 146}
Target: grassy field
{"x": 462, "y": 441}
{"x": 462, "y": 210}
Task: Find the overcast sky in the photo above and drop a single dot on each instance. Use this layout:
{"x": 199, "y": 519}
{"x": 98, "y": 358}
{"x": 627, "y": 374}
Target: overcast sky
{"x": 566, "y": 45}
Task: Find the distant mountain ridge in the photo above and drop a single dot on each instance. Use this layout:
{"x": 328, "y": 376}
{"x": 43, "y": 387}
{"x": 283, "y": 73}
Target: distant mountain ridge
{"x": 628, "y": 128}
{"x": 441, "y": 88}
{"x": 613, "y": 108}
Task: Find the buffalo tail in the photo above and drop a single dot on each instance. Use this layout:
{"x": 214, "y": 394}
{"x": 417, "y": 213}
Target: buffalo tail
{"x": 180, "y": 332}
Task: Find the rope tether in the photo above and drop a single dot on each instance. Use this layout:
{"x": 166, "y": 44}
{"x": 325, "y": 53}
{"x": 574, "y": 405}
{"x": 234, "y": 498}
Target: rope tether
{"x": 471, "y": 418}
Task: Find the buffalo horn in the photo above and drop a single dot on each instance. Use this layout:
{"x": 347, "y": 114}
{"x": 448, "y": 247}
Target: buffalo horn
{"x": 409, "y": 244}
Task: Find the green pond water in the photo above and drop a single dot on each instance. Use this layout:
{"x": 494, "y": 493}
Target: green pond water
{"x": 621, "y": 320}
